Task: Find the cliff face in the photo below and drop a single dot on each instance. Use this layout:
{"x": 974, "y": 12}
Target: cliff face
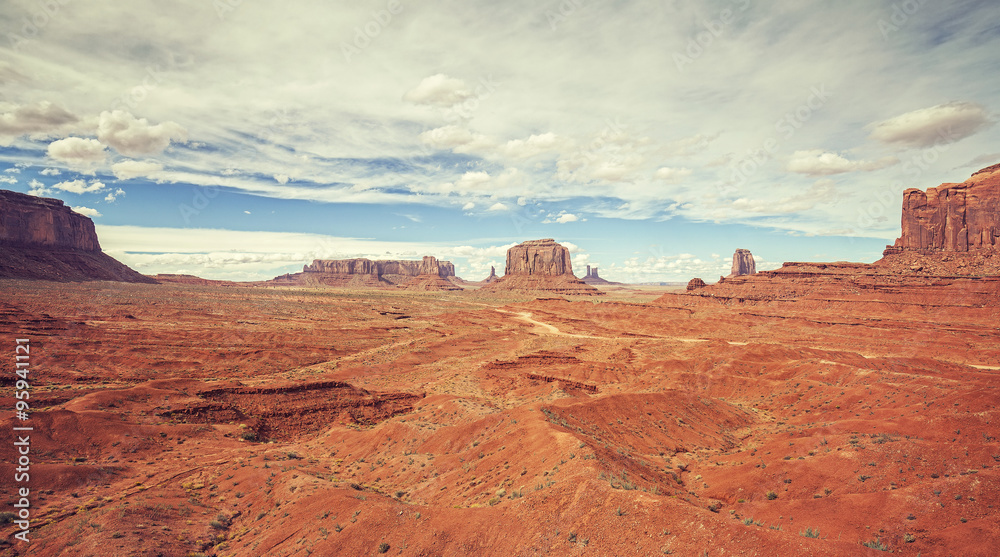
{"x": 43, "y": 239}
{"x": 743, "y": 263}
{"x": 953, "y": 217}
{"x": 427, "y": 266}
{"x": 41, "y": 222}
{"x": 538, "y": 257}
{"x": 541, "y": 265}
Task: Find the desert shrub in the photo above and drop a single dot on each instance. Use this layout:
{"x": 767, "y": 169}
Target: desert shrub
{"x": 810, "y": 533}
{"x": 383, "y": 547}
{"x": 771, "y": 496}
{"x": 876, "y": 544}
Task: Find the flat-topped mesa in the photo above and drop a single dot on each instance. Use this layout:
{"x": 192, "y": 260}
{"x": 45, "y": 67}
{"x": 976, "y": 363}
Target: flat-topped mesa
{"x": 952, "y": 217}
{"x": 743, "y": 263}
{"x": 38, "y": 221}
{"x": 429, "y": 265}
{"x": 43, "y": 239}
{"x": 539, "y": 257}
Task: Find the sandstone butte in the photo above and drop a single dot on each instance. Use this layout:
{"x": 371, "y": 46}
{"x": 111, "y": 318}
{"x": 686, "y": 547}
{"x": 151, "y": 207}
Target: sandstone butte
{"x": 493, "y": 276}
{"x": 426, "y": 274}
{"x": 743, "y": 263}
{"x": 948, "y": 232}
{"x": 42, "y": 238}
{"x": 592, "y": 277}
{"x": 541, "y": 265}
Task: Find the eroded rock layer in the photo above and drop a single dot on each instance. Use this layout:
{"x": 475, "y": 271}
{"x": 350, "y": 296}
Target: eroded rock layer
{"x": 43, "y": 239}
{"x": 953, "y": 217}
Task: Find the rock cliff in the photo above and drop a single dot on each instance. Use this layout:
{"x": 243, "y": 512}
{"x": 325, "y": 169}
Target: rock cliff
{"x": 43, "y": 239}
{"x": 538, "y": 257}
{"x": 425, "y": 274}
{"x": 743, "y": 263}
{"x": 429, "y": 265}
{"x": 541, "y": 265}
{"x": 952, "y": 217}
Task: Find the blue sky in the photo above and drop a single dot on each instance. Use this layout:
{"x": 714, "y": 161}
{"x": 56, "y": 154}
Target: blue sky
{"x": 241, "y": 140}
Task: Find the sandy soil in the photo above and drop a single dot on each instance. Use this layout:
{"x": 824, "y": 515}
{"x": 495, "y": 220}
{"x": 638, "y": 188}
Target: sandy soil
{"x": 184, "y": 419}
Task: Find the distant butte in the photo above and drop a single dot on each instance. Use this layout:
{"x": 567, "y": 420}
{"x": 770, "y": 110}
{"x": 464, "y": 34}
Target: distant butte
{"x": 426, "y": 274}
{"x": 43, "y": 239}
{"x": 949, "y": 241}
{"x": 743, "y": 263}
{"x": 542, "y": 265}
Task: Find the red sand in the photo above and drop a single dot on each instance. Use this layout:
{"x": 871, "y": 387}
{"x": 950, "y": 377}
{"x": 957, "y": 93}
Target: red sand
{"x": 180, "y": 419}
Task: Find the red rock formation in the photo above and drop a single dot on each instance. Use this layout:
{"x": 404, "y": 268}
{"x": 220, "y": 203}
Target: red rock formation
{"x": 429, "y": 265}
{"x": 953, "y": 217}
{"x": 493, "y": 276}
{"x": 542, "y": 265}
{"x": 695, "y": 284}
{"x": 593, "y": 278}
{"x": 743, "y": 263}
{"x": 42, "y": 222}
{"x": 43, "y": 239}
{"x": 538, "y": 257}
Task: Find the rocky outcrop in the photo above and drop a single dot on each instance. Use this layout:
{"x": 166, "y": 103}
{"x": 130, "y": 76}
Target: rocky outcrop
{"x": 952, "y": 217}
{"x": 429, "y": 265}
{"x": 425, "y": 274}
{"x": 538, "y": 257}
{"x": 43, "y": 239}
{"x": 493, "y": 276}
{"x": 695, "y": 284}
{"x": 593, "y": 278}
{"x": 743, "y": 263}
{"x": 541, "y": 265}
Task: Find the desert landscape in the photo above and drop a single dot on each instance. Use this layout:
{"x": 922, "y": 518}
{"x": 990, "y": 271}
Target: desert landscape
{"x": 376, "y": 407}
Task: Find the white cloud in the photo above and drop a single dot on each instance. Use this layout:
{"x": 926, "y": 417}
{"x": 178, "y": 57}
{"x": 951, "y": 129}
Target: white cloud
{"x": 8, "y": 180}
{"x": 87, "y": 211}
{"x": 50, "y": 172}
{"x": 497, "y": 207}
{"x": 944, "y": 123}
{"x": 134, "y": 137}
{"x": 13, "y": 170}
{"x": 533, "y": 146}
{"x": 38, "y": 189}
{"x": 77, "y": 151}
{"x": 458, "y": 139}
{"x": 469, "y": 206}
{"x": 129, "y": 169}
{"x": 439, "y": 90}
{"x": 567, "y": 217}
{"x": 79, "y": 186}
{"x": 281, "y": 178}
{"x": 113, "y": 196}
{"x": 672, "y": 174}
{"x": 816, "y": 162}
